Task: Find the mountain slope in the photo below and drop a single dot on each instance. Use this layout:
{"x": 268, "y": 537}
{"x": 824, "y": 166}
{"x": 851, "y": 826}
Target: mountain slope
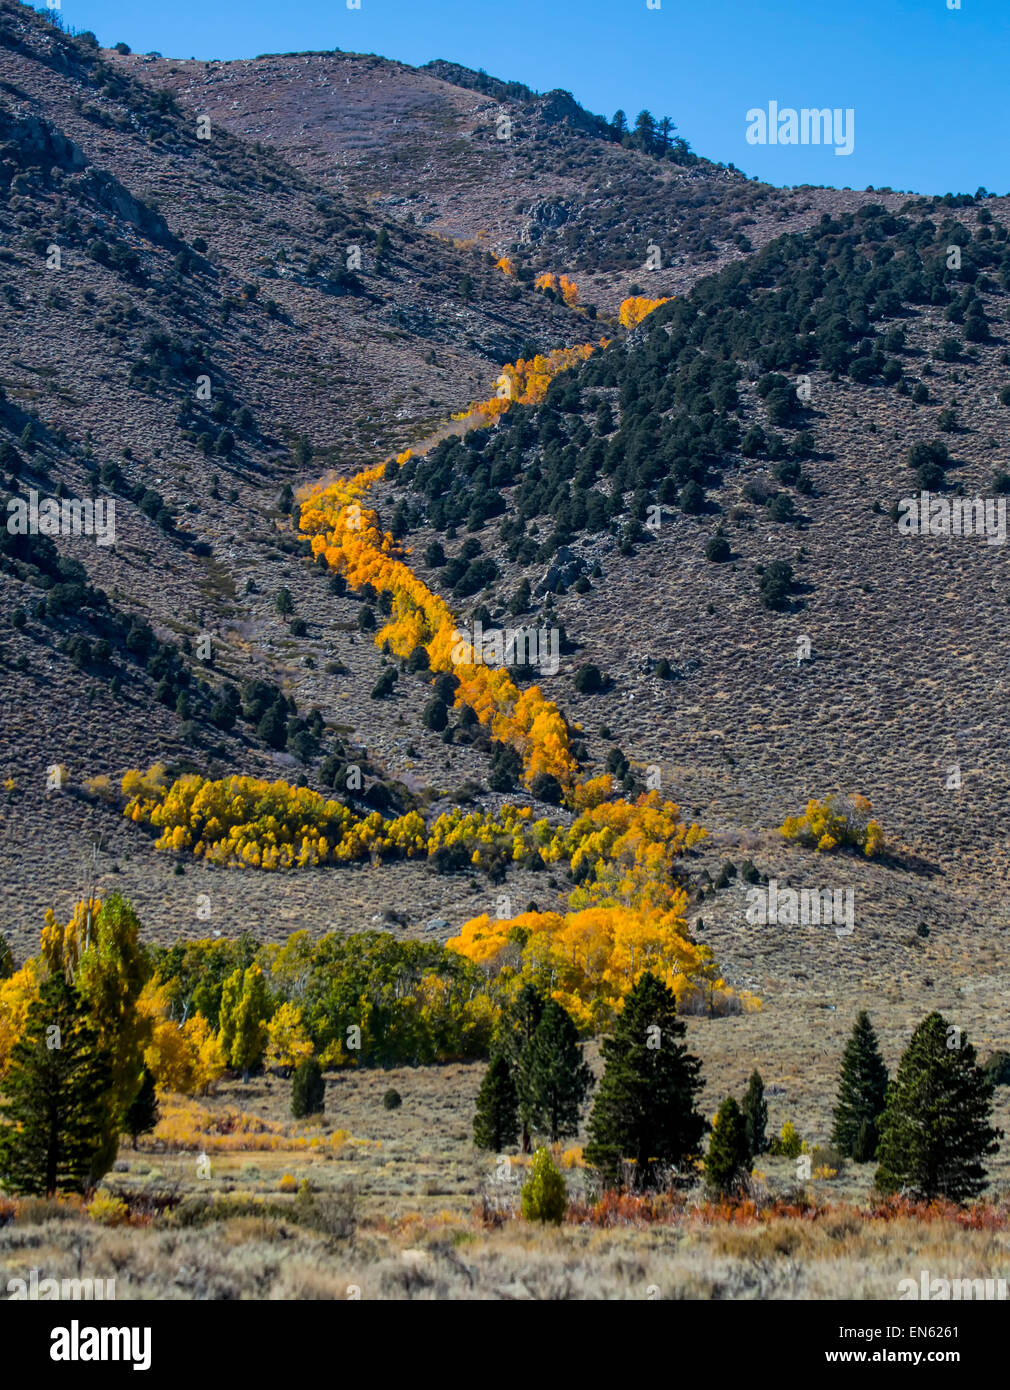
{"x": 553, "y": 194}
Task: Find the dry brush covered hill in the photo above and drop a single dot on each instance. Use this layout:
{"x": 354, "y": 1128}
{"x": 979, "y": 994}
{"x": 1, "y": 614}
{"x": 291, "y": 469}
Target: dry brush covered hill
{"x": 227, "y": 257}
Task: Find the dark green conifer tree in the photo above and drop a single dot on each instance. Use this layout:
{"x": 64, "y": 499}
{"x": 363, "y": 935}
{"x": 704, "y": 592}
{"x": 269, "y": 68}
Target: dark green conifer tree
{"x": 754, "y": 1109}
{"x": 727, "y": 1162}
{"x": 644, "y": 1110}
{"x": 555, "y": 1078}
{"x": 862, "y": 1094}
{"x": 496, "y": 1119}
{"x": 935, "y": 1131}
{"x": 58, "y": 1116}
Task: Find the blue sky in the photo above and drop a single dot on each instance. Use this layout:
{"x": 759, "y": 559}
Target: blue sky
{"x": 928, "y": 85}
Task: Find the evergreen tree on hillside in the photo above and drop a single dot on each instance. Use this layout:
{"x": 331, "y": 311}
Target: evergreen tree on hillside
{"x": 727, "y": 1162}
{"x": 555, "y": 1078}
{"x": 645, "y": 131}
{"x": 754, "y": 1109}
{"x": 58, "y": 1114}
{"x": 644, "y": 1109}
{"x": 935, "y": 1131}
{"x": 862, "y": 1094}
{"x": 496, "y": 1119}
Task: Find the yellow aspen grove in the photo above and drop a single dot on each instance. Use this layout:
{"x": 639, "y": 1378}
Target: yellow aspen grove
{"x": 268, "y": 825}
{"x": 525, "y": 381}
{"x": 350, "y": 541}
{"x": 635, "y": 309}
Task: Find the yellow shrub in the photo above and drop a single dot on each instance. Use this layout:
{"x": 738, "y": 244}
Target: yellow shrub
{"x": 108, "y": 1210}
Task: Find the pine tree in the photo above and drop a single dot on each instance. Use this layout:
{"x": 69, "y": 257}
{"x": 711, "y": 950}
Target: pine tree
{"x": 58, "y": 1114}
{"x": 645, "y": 131}
{"x": 142, "y": 1115}
{"x": 308, "y": 1089}
{"x": 727, "y": 1162}
{"x": 754, "y": 1109}
{"x": 7, "y": 966}
{"x": 515, "y": 1034}
{"x": 645, "y": 1104}
{"x": 496, "y": 1119}
{"x": 555, "y": 1078}
{"x": 862, "y": 1094}
{"x": 935, "y": 1130}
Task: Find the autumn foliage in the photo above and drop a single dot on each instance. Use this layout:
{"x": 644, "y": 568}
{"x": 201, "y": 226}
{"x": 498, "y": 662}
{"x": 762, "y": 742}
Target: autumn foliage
{"x": 525, "y": 381}
{"x": 562, "y": 286}
{"x": 266, "y": 825}
{"x": 836, "y": 822}
{"x": 626, "y": 917}
{"x": 349, "y": 539}
{"x": 635, "y": 309}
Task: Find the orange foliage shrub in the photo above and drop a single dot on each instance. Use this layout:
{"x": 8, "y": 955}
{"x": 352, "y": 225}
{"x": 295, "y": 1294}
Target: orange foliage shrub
{"x": 526, "y": 381}
{"x": 562, "y": 286}
{"x": 635, "y": 309}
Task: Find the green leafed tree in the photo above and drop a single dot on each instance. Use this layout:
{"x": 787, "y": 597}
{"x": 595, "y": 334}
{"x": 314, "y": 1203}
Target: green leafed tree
{"x": 644, "y": 1111}
{"x": 109, "y": 978}
{"x": 58, "y": 1121}
{"x": 496, "y": 1119}
{"x": 862, "y": 1094}
{"x": 935, "y": 1132}
{"x": 245, "y": 1010}
{"x": 555, "y": 1078}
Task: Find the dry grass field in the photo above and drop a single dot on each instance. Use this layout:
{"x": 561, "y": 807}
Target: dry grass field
{"x": 401, "y": 1205}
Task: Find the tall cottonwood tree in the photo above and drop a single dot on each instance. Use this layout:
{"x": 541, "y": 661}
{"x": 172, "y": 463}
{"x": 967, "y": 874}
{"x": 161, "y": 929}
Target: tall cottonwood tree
{"x": 99, "y": 953}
